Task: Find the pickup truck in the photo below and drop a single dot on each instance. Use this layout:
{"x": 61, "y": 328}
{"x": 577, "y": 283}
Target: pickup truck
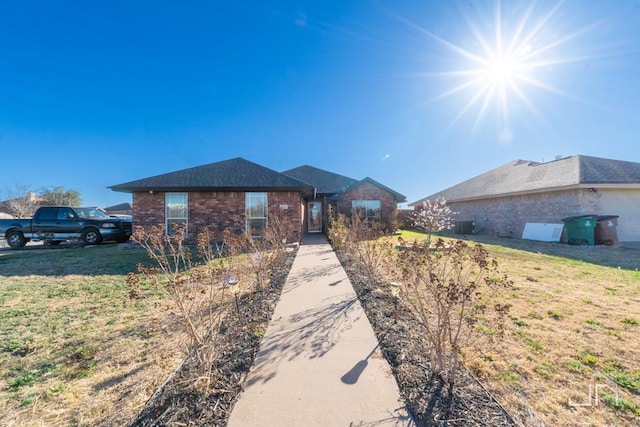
{"x": 55, "y": 224}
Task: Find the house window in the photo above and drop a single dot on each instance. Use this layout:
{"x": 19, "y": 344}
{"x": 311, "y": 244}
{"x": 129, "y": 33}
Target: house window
{"x": 256, "y": 209}
{"x": 176, "y": 211}
{"x": 369, "y": 208}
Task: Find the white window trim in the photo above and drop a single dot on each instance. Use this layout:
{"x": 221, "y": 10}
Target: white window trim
{"x": 248, "y": 217}
{"x": 366, "y": 205}
{"x": 167, "y": 218}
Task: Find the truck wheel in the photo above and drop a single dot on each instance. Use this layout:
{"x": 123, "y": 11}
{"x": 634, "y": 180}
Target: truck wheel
{"x": 16, "y": 240}
{"x": 91, "y": 236}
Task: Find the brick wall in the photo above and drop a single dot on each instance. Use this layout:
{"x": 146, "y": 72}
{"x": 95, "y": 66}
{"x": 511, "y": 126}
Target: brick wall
{"x": 507, "y": 216}
{"x": 148, "y": 209}
{"x": 368, "y": 191}
{"x": 292, "y": 214}
{"x": 218, "y": 211}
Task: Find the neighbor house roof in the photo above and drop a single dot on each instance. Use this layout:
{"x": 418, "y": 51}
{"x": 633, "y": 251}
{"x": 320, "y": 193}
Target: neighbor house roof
{"x": 325, "y": 182}
{"x": 524, "y": 176}
{"x": 229, "y": 175}
{"x": 120, "y": 207}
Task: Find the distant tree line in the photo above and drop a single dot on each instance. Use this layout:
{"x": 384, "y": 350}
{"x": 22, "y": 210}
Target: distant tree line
{"x": 21, "y": 201}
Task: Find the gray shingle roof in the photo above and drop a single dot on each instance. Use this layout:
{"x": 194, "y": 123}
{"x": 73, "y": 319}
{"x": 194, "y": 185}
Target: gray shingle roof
{"x": 120, "y": 207}
{"x": 324, "y": 181}
{"x": 330, "y": 183}
{"x": 523, "y": 176}
{"x": 229, "y": 175}
{"x": 595, "y": 170}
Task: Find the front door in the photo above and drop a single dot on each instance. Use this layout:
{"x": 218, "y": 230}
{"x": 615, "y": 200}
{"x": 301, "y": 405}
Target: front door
{"x": 314, "y": 217}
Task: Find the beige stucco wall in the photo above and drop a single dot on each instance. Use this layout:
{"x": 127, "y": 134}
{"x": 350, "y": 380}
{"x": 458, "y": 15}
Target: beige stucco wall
{"x": 625, "y": 204}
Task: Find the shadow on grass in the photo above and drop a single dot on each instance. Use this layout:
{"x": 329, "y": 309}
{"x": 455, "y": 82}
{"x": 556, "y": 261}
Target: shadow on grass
{"x": 39, "y": 260}
{"x": 607, "y": 256}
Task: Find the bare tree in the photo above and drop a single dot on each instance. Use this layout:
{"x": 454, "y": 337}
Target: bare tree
{"x": 21, "y": 201}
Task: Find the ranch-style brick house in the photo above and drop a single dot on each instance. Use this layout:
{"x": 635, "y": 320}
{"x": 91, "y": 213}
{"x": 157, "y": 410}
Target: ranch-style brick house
{"x": 501, "y": 201}
{"x": 239, "y": 195}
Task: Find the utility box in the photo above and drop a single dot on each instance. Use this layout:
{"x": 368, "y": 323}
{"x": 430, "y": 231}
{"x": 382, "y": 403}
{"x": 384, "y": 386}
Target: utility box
{"x": 606, "y": 232}
{"x": 580, "y": 229}
{"x": 464, "y": 227}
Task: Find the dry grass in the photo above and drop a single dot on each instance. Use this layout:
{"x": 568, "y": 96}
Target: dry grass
{"x": 575, "y": 322}
{"x": 74, "y": 348}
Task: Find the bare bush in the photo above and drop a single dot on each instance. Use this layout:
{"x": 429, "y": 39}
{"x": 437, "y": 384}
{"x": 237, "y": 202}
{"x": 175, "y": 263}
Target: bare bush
{"x": 205, "y": 285}
{"x": 454, "y": 289}
{"x": 198, "y": 290}
{"x": 360, "y": 239}
{"x": 337, "y": 231}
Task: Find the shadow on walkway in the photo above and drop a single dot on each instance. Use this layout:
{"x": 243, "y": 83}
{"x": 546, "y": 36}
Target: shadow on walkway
{"x": 319, "y": 362}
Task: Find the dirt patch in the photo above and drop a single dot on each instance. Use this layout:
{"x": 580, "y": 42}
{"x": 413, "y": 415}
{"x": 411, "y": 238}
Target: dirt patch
{"x": 187, "y": 397}
{"x": 405, "y": 349}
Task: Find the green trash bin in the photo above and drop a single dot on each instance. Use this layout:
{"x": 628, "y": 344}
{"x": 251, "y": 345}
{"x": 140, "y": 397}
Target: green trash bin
{"x": 580, "y": 229}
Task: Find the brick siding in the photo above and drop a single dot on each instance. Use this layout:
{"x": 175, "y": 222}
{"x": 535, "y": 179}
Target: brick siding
{"x": 368, "y": 191}
{"x": 507, "y": 216}
{"x": 148, "y": 209}
{"x": 219, "y": 211}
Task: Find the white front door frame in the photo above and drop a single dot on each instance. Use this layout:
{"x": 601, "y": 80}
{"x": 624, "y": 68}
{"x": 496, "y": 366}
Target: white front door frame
{"x": 314, "y": 217}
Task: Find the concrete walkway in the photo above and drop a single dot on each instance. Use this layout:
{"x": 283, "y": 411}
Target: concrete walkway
{"x": 319, "y": 363}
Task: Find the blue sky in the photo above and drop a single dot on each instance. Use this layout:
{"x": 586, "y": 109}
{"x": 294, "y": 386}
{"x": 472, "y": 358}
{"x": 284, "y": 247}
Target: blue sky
{"x": 418, "y": 95}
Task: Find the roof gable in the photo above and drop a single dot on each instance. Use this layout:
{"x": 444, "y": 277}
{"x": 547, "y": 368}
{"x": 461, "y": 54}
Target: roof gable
{"x": 525, "y": 176}
{"x": 399, "y": 197}
{"x": 324, "y": 181}
{"x": 227, "y": 175}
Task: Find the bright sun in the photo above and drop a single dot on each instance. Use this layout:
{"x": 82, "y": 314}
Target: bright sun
{"x": 504, "y": 63}
{"x": 501, "y": 70}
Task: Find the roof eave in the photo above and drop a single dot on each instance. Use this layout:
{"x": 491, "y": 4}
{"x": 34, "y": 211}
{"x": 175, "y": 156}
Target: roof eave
{"x": 613, "y": 186}
{"x": 621, "y": 186}
{"x": 304, "y": 189}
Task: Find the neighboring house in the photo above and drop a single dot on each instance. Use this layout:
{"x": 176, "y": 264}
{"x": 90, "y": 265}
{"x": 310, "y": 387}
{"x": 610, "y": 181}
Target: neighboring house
{"x": 504, "y": 199}
{"x": 238, "y": 195}
{"x": 120, "y": 209}
{"x": 20, "y": 207}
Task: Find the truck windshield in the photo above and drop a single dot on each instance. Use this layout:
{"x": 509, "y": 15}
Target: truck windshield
{"x": 90, "y": 213}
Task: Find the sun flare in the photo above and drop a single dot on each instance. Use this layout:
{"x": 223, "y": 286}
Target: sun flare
{"x": 501, "y": 70}
{"x": 504, "y": 62}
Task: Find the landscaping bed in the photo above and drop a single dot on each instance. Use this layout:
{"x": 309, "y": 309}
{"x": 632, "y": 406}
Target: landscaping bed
{"x": 405, "y": 349}
{"x": 186, "y": 398}
{"x": 573, "y": 328}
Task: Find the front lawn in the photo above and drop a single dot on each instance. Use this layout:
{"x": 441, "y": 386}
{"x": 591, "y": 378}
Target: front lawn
{"x": 73, "y": 345}
{"x": 574, "y": 324}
